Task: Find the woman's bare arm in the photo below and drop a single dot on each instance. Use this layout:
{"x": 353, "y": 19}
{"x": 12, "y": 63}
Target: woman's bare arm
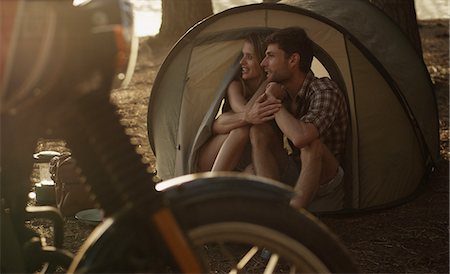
{"x": 257, "y": 110}
{"x": 235, "y": 96}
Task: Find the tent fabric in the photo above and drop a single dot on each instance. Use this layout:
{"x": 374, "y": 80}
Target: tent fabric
{"x": 393, "y": 130}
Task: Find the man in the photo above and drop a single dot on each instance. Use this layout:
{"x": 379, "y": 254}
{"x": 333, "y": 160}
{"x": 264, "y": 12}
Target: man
{"x": 313, "y": 118}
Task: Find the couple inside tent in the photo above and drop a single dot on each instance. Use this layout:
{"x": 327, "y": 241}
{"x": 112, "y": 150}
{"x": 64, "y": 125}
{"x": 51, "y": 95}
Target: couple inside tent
{"x": 392, "y": 138}
{"x": 281, "y": 122}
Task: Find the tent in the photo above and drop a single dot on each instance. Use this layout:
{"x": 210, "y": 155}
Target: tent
{"x": 393, "y": 139}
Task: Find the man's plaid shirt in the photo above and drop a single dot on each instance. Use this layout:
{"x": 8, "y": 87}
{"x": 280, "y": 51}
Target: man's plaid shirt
{"x": 320, "y": 102}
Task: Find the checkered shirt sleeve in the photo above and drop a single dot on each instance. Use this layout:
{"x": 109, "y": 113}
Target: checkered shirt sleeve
{"x": 325, "y": 107}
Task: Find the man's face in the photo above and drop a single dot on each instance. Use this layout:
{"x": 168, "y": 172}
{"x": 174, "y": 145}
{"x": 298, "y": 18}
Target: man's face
{"x": 276, "y": 64}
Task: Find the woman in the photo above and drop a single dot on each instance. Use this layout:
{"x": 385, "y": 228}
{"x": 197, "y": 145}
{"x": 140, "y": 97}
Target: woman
{"x": 224, "y": 150}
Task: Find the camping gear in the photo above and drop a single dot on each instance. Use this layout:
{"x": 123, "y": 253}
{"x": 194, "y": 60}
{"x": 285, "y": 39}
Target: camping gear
{"x": 71, "y": 193}
{"x": 393, "y": 133}
{"x": 92, "y": 216}
{"x": 45, "y": 187}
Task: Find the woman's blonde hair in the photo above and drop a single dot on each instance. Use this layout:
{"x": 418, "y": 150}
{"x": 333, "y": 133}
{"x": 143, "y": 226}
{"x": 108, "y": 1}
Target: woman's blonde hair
{"x": 258, "y": 40}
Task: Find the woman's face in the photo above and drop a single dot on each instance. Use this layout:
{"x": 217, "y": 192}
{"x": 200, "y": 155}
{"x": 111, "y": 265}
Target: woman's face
{"x": 250, "y": 63}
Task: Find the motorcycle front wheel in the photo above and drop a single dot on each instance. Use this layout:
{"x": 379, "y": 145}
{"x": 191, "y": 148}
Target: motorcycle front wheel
{"x": 235, "y": 225}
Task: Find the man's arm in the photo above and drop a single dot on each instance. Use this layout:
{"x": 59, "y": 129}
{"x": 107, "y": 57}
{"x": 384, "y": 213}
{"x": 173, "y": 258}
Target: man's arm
{"x": 300, "y": 133}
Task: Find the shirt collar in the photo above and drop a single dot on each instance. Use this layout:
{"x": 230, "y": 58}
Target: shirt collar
{"x": 308, "y": 79}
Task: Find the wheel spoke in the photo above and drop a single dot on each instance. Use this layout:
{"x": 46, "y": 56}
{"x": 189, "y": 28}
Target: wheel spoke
{"x": 271, "y": 264}
{"x": 243, "y": 262}
{"x": 250, "y": 248}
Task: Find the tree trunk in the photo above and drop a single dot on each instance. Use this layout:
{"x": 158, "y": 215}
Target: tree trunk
{"x": 403, "y": 12}
{"x": 179, "y": 15}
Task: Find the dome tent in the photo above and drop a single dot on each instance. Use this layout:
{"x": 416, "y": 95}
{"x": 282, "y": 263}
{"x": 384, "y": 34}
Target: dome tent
{"x": 393, "y": 131}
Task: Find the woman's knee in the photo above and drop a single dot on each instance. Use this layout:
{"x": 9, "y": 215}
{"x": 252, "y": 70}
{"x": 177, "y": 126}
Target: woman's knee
{"x": 241, "y": 133}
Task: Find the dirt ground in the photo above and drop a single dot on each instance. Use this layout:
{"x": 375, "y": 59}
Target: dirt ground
{"x": 409, "y": 238}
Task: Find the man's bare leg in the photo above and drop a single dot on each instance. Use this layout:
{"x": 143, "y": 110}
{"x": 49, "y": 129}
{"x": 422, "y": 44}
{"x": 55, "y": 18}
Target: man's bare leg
{"x": 319, "y": 166}
{"x": 265, "y": 141}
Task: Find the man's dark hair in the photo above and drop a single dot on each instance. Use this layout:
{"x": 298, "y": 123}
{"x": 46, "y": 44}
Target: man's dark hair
{"x": 294, "y": 40}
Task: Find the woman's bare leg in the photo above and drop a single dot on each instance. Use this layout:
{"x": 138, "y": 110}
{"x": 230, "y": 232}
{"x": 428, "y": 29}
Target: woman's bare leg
{"x": 232, "y": 150}
{"x": 208, "y": 152}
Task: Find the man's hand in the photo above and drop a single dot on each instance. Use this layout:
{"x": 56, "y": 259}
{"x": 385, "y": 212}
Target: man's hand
{"x": 276, "y": 90}
{"x": 263, "y": 109}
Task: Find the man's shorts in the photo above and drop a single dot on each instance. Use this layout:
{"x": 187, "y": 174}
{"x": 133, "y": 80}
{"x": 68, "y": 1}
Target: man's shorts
{"x": 329, "y": 197}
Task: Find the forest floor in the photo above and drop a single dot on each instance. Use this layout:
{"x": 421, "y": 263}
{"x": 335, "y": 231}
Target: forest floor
{"x": 409, "y": 238}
